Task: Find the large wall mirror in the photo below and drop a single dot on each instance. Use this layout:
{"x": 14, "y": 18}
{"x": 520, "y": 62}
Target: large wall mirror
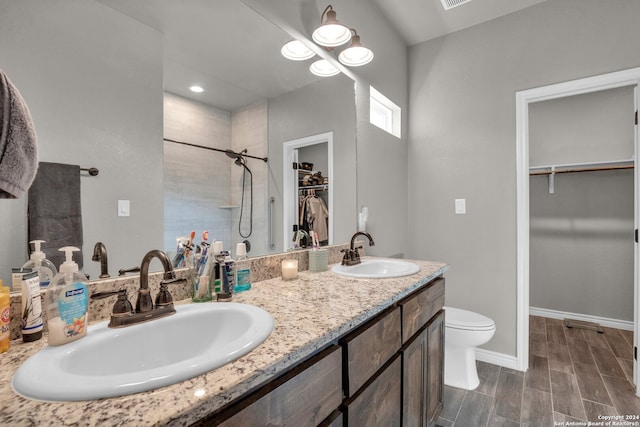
{"x": 107, "y": 83}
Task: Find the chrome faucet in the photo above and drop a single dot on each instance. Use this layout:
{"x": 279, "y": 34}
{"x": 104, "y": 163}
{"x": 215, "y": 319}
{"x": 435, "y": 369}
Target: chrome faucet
{"x": 100, "y": 254}
{"x": 351, "y": 255}
{"x": 123, "y": 313}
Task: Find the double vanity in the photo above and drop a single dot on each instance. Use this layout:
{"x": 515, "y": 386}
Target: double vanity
{"x": 344, "y": 350}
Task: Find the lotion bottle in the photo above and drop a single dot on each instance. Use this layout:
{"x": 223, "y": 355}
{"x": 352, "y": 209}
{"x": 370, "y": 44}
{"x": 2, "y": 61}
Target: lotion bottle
{"x": 38, "y": 262}
{"x": 67, "y": 302}
{"x": 5, "y": 317}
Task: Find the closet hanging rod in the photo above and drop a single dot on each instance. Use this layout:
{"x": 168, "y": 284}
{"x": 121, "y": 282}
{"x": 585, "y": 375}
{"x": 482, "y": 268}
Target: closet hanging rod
{"x": 584, "y": 169}
{"x": 264, "y": 159}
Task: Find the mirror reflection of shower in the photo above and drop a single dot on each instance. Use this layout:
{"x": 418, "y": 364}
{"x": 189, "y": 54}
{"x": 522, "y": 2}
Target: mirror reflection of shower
{"x": 241, "y": 161}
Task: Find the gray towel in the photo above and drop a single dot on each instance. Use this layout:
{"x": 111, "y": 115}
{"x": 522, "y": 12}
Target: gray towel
{"x": 18, "y": 142}
{"x": 54, "y": 211}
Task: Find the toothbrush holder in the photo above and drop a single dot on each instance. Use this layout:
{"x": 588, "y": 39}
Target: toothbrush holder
{"x": 318, "y": 260}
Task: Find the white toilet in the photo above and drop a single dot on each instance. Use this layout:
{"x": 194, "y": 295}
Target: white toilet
{"x": 464, "y": 331}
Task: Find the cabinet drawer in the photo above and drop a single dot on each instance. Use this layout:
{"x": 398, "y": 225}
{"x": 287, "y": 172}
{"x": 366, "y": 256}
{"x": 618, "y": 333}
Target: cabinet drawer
{"x": 370, "y": 347}
{"x": 380, "y": 403}
{"x": 418, "y": 308}
{"x": 305, "y": 399}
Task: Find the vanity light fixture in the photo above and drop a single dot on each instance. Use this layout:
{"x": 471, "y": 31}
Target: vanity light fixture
{"x": 196, "y": 89}
{"x": 356, "y": 54}
{"x": 296, "y": 51}
{"x": 331, "y": 33}
{"x": 323, "y": 68}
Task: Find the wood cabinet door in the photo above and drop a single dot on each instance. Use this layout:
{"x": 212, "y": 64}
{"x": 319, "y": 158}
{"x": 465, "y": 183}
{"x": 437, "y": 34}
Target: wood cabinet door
{"x": 379, "y": 402}
{"x": 309, "y": 395}
{"x": 423, "y": 375}
{"x": 435, "y": 369}
{"x": 414, "y": 364}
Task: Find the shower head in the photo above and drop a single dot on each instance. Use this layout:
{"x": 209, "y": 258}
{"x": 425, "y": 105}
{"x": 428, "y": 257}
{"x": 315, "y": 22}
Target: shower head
{"x": 232, "y": 154}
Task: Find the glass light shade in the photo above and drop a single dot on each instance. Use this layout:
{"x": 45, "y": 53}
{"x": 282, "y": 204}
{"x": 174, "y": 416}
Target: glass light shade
{"x": 323, "y": 68}
{"x": 296, "y": 51}
{"x": 331, "y": 33}
{"x": 356, "y": 54}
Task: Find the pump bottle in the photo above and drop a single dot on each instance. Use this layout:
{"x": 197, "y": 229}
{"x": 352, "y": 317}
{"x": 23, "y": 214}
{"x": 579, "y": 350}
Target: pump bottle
{"x": 38, "y": 262}
{"x": 67, "y": 302}
{"x": 5, "y": 317}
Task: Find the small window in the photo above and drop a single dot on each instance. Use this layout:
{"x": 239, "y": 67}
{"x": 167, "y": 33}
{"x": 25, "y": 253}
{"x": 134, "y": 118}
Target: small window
{"x": 384, "y": 113}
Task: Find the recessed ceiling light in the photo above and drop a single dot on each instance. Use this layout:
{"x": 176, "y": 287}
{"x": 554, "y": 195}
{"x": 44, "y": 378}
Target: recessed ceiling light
{"x": 196, "y": 89}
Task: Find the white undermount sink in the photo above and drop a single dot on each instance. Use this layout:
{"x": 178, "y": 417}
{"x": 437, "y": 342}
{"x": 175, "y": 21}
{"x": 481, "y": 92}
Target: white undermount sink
{"x": 116, "y": 362}
{"x": 377, "y": 268}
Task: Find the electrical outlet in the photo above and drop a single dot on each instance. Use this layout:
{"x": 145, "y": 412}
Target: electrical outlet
{"x": 461, "y": 206}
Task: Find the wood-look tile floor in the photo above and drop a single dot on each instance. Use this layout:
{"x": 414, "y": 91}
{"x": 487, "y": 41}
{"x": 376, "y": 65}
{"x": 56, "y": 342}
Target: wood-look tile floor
{"x": 575, "y": 375}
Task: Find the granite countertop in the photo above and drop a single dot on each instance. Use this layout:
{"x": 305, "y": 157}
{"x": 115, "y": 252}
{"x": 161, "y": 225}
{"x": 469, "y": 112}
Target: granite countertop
{"x": 309, "y": 312}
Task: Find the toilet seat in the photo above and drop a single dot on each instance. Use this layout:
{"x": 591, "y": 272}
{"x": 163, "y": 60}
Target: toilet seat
{"x": 458, "y": 318}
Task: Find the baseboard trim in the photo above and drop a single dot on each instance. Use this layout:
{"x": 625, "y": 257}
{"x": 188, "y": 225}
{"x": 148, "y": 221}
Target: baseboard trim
{"x": 500, "y": 359}
{"x": 603, "y": 321}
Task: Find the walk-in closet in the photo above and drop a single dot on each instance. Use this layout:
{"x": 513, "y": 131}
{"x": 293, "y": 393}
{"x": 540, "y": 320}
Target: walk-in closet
{"x": 581, "y": 190}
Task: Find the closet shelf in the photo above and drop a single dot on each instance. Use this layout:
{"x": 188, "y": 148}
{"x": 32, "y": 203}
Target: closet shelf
{"x": 581, "y": 167}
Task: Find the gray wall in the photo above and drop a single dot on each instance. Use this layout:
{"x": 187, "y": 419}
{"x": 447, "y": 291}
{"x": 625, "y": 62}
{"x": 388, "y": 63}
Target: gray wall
{"x": 581, "y": 239}
{"x": 381, "y": 158}
{"x": 325, "y": 106}
{"x": 462, "y": 136}
{"x": 92, "y": 79}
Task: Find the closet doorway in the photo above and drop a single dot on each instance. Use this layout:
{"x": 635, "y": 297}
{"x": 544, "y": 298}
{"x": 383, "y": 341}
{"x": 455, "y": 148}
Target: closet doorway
{"x": 308, "y": 183}
{"x": 627, "y": 78}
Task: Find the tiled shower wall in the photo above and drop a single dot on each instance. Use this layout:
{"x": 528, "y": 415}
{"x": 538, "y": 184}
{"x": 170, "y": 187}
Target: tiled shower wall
{"x": 202, "y": 188}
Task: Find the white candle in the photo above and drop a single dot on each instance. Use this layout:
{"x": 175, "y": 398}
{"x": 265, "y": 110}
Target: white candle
{"x": 289, "y": 269}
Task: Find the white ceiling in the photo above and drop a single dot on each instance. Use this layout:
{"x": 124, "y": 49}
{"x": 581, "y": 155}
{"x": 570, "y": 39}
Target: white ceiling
{"x": 234, "y": 53}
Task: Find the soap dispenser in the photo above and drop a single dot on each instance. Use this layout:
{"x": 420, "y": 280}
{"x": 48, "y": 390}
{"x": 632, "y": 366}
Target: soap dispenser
{"x": 67, "y": 302}
{"x": 38, "y": 262}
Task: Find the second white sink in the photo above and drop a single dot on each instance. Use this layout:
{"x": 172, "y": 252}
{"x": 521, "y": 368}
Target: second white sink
{"x": 377, "y": 268}
{"x": 116, "y": 362}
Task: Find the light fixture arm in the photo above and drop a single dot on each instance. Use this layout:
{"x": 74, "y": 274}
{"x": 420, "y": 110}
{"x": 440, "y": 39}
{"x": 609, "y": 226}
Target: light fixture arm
{"x": 326, "y": 9}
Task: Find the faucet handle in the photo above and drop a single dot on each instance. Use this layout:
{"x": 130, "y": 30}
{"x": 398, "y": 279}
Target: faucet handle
{"x": 122, "y": 305}
{"x": 346, "y": 259}
{"x": 164, "y": 296}
{"x": 124, "y": 271}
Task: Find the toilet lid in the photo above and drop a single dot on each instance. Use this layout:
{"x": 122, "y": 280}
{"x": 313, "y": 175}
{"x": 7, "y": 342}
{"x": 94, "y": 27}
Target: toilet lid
{"x": 464, "y": 319}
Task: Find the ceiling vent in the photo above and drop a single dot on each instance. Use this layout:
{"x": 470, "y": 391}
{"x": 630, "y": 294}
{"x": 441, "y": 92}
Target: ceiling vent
{"x": 450, "y": 4}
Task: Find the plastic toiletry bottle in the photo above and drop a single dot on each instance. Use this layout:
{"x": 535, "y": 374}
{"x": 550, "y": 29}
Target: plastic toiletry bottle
{"x": 45, "y": 268}
{"x": 216, "y": 250}
{"x": 5, "y": 317}
{"x": 243, "y": 271}
{"x": 67, "y": 302}
{"x": 31, "y": 306}
{"x": 226, "y": 266}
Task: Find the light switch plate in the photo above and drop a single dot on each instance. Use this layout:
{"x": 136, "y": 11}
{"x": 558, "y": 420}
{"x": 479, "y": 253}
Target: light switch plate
{"x": 461, "y": 206}
{"x": 123, "y": 208}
